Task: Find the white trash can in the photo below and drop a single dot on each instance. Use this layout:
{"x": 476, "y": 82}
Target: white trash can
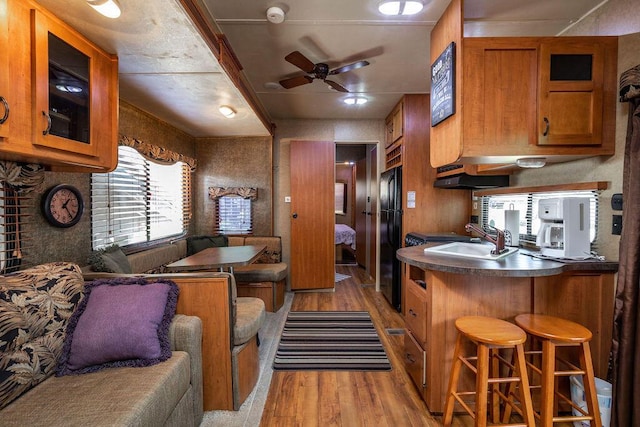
{"x": 604, "y": 390}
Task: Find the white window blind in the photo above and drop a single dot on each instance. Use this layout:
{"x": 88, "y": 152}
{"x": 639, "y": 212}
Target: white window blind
{"x": 493, "y": 208}
{"x": 139, "y": 202}
{"x": 233, "y": 215}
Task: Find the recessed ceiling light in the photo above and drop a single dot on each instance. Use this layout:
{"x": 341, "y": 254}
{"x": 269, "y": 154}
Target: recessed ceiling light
{"x": 227, "y": 111}
{"x": 108, "y": 8}
{"x": 400, "y": 7}
{"x": 355, "y": 100}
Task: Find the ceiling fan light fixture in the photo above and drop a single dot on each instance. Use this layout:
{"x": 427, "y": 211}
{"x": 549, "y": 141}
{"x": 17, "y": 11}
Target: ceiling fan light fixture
{"x": 227, "y": 111}
{"x": 355, "y": 100}
{"x": 108, "y": 8}
{"x": 400, "y": 7}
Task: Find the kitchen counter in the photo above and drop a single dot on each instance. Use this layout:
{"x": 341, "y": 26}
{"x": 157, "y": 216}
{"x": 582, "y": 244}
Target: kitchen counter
{"x": 438, "y": 289}
{"x": 515, "y": 265}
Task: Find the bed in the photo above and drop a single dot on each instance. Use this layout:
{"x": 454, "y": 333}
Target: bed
{"x": 345, "y": 239}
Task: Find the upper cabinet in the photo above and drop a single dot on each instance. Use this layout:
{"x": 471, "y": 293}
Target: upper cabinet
{"x": 523, "y": 97}
{"x": 394, "y": 125}
{"x": 571, "y": 92}
{"x": 63, "y": 95}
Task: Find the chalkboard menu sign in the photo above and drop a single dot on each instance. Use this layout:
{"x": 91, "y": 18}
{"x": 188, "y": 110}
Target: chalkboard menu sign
{"x": 443, "y": 85}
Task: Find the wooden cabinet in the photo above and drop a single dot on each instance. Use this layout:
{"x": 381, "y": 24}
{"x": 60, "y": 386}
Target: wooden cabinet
{"x": 551, "y": 97}
{"x": 394, "y": 128}
{"x": 581, "y": 296}
{"x": 571, "y": 92}
{"x": 63, "y": 95}
{"x": 4, "y": 72}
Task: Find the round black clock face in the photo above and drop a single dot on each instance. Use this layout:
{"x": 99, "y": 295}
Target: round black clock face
{"x": 63, "y": 205}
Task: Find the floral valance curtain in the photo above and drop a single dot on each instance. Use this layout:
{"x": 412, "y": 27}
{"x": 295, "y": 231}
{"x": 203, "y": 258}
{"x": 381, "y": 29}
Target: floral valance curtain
{"x": 22, "y": 178}
{"x": 625, "y": 347}
{"x": 156, "y": 153}
{"x": 244, "y": 192}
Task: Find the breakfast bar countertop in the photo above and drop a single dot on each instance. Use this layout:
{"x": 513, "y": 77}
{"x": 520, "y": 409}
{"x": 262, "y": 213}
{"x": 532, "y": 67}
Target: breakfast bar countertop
{"x": 515, "y": 265}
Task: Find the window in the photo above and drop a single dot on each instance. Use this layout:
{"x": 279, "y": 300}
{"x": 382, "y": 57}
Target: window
{"x": 139, "y": 202}
{"x": 233, "y": 215}
{"x": 493, "y": 208}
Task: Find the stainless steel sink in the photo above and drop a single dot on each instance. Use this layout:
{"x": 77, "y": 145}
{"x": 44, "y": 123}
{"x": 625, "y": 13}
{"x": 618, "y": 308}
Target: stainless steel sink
{"x": 468, "y": 250}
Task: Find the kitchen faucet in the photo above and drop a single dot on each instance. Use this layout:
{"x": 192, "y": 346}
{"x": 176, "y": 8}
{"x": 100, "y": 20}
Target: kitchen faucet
{"x": 498, "y": 240}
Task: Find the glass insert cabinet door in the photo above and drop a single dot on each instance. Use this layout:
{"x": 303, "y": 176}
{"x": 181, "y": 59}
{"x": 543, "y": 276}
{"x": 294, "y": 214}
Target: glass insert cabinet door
{"x": 64, "y": 88}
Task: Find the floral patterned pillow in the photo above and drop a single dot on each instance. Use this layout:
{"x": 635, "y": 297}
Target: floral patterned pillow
{"x": 35, "y": 306}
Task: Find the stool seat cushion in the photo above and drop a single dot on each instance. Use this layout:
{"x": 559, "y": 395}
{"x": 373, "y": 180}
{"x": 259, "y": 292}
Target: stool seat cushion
{"x": 260, "y": 272}
{"x": 250, "y": 314}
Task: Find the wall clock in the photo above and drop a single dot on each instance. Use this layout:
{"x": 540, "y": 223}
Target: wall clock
{"x": 63, "y": 205}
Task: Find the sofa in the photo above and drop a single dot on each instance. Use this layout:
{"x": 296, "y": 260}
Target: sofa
{"x": 36, "y": 307}
{"x": 231, "y": 364}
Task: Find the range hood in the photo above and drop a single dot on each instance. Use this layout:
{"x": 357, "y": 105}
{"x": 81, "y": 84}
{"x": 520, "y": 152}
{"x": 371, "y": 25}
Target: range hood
{"x": 465, "y": 181}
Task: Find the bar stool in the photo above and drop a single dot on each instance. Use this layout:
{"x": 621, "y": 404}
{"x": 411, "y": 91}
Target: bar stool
{"x": 489, "y": 335}
{"x": 555, "y": 332}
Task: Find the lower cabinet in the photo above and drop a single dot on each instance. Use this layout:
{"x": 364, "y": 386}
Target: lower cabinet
{"x": 431, "y": 310}
{"x": 415, "y": 362}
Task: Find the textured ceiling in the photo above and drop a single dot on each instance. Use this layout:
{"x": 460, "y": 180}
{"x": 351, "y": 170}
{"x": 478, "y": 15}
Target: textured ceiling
{"x": 168, "y": 70}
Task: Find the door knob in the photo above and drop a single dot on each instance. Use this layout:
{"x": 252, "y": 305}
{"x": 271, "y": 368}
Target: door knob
{"x": 295, "y": 215}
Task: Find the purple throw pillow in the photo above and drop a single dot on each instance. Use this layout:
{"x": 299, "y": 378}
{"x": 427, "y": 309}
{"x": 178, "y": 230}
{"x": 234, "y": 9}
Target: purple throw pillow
{"x": 120, "y": 322}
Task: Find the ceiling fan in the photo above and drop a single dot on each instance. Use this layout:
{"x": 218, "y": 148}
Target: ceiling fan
{"x": 316, "y": 71}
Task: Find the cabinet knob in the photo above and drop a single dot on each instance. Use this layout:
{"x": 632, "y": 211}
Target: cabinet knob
{"x": 413, "y": 313}
{"x": 410, "y": 358}
{"x": 295, "y": 215}
{"x": 6, "y": 109}
{"x": 46, "y": 131}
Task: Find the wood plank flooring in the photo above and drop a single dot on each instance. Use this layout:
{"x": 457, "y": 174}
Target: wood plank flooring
{"x": 349, "y": 398}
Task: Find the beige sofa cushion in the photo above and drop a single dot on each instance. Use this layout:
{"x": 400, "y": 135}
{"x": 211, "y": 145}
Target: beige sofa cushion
{"x": 112, "y": 397}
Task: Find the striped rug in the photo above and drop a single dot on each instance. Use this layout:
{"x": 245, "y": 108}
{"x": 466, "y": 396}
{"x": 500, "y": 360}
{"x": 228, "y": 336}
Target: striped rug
{"x": 332, "y": 341}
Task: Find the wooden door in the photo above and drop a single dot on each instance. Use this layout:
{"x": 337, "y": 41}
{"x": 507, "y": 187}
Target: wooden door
{"x": 312, "y": 215}
{"x": 373, "y": 208}
{"x": 361, "y": 212}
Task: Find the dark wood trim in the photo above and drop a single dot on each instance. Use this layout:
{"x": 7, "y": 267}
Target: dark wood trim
{"x": 221, "y": 49}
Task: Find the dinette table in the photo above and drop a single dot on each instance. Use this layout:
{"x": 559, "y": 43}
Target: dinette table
{"x": 224, "y": 257}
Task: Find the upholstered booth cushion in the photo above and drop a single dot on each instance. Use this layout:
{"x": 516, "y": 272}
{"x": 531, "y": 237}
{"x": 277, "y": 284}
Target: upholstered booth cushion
{"x": 120, "y": 322}
{"x": 197, "y": 243}
{"x": 260, "y": 272}
{"x": 110, "y": 260}
{"x": 273, "y": 250}
{"x": 35, "y": 307}
{"x": 251, "y": 314}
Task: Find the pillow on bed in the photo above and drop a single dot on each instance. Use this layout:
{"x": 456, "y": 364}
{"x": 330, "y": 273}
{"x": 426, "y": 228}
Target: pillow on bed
{"x": 120, "y": 322}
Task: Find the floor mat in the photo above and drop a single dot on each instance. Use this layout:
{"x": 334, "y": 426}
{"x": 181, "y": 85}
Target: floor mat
{"x": 330, "y": 341}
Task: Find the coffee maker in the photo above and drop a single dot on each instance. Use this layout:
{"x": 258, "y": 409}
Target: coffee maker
{"x": 564, "y": 228}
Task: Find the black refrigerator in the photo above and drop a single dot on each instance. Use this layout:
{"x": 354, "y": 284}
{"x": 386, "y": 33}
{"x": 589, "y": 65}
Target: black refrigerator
{"x": 390, "y": 234}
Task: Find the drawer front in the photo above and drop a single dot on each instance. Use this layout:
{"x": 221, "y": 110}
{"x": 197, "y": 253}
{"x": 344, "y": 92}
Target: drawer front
{"x": 415, "y": 361}
{"x": 416, "y": 312}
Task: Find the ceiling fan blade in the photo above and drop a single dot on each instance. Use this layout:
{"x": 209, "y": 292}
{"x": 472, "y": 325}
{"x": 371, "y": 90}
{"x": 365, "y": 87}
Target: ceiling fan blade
{"x": 336, "y": 86}
{"x": 300, "y": 61}
{"x": 295, "y": 81}
{"x": 349, "y": 67}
